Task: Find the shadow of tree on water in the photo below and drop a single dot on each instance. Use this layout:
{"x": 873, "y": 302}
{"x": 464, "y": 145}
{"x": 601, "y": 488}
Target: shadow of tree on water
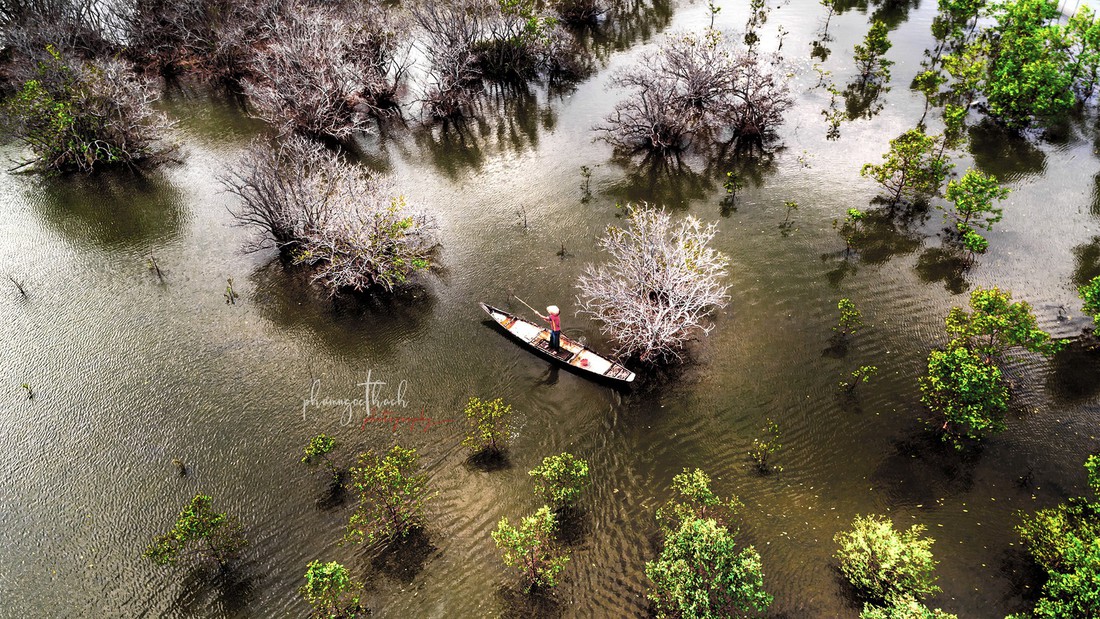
{"x": 923, "y": 469}
{"x": 1004, "y": 153}
{"x": 405, "y": 557}
{"x": 206, "y": 590}
{"x": 1086, "y": 259}
{"x": 1075, "y": 371}
{"x": 355, "y": 325}
{"x": 539, "y": 603}
{"x": 937, "y": 264}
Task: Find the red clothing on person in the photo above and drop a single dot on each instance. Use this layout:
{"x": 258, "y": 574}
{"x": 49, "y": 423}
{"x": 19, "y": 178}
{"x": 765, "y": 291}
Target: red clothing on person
{"x": 555, "y": 322}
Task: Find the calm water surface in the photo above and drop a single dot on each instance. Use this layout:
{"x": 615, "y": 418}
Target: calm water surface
{"x": 130, "y": 372}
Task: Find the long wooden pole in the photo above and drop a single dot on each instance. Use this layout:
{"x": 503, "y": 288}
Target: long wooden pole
{"x": 528, "y": 306}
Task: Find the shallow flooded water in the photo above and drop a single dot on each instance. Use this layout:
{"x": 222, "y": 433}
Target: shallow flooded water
{"x": 131, "y": 372}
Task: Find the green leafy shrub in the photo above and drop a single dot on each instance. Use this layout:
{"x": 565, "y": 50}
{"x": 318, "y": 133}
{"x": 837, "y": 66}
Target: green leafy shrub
{"x": 694, "y": 500}
{"x": 392, "y": 496}
{"x": 200, "y": 532}
{"x": 862, "y": 374}
{"x": 973, "y": 198}
{"x": 561, "y": 479}
{"x": 966, "y": 392}
{"x": 886, "y": 564}
{"x": 996, "y": 323}
{"x": 700, "y": 573}
{"x": 904, "y": 608}
{"x": 914, "y": 166}
{"x": 490, "y": 422}
{"x": 1090, "y": 294}
{"x": 331, "y": 592}
{"x": 1065, "y": 541}
{"x": 851, "y": 319}
{"x": 1029, "y": 76}
{"x": 531, "y": 549}
{"x": 317, "y": 451}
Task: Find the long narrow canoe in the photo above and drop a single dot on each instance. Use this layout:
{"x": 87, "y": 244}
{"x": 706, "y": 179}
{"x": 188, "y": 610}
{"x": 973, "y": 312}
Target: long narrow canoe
{"x": 571, "y": 353}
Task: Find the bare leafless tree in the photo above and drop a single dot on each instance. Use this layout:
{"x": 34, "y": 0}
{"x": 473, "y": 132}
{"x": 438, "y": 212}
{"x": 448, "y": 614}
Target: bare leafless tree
{"x": 662, "y": 282}
{"x": 90, "y": 15}
{"x": 323, "y": 211}
{"x": 77, "y": 28}
{"x": 652, "y": 119}
{"x": 282, "y": 190}
{"x": 468, "y": 41}
{"x": 762, "y": 95}
{"x": 449, "y": 31}
{"x": 209, "y": 39}
{"x": 378, "y": 244}
{"x": 696, "y": 87}
{"x": 327, "y": 72}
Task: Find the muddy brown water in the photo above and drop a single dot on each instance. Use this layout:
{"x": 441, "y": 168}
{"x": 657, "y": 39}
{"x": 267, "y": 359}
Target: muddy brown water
{"x": 130, "y": 373}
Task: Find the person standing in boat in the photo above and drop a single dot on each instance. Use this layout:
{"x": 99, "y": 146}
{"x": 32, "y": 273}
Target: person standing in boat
{"x": 554, "y": 318}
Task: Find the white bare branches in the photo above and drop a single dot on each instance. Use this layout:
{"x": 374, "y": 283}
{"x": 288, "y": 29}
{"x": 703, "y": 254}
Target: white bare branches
{"x": 211, "y": 39}
{"x": 467, "y": 41}
{"x": 333, "y": 215}
{"x": 696, "y": 88}
{"x": 660, "y": 285}
{"x": 373, "y": 245}
{"x": 327, "y": 74}
{"x": 449, "y": 32}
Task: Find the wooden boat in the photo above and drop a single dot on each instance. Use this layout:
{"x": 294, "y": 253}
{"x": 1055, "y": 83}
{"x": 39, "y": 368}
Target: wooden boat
{"x": 573, "y": 354}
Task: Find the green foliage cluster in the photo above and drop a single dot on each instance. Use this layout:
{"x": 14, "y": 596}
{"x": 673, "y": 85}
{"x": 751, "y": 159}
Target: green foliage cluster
{"x": 851, "y": 319}
{"x": 392, "y": 496}
{"x": 973, "y": 198}
{"x": 1083, "y": 30}
{"x": 200, "y": 532}
{"x": 973, "y": 243}
{"x": 317, "y": 452}
{"x": 966, "y": 391}
{"x": 532, "y": 549}
{"x": 490, "y": 423}
{"x": 963, "y": 384}
{"x": 851, "y": 229}
{"x": 914, "y": 167}
{"x": 1028, "y": 74}
{"x": 1029, "y": 65}
{"x": 764, "y": 447}
{"x": 996, "y": 323}
{"x": 1065, "y": 541}
{"x": 1090, "y": 294}
{"x": 700, "y": 573}
{"x": 694, "y": 500}
{"x": 885, "y": 565}
{"x": 83, "y": 116}
{"x": 870, "y": 54}
{"x": 561, "y": 480}
{"x": 904, "y": 608}
{"x": 331, "y": 592}
{"x": 862, "y": 374}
